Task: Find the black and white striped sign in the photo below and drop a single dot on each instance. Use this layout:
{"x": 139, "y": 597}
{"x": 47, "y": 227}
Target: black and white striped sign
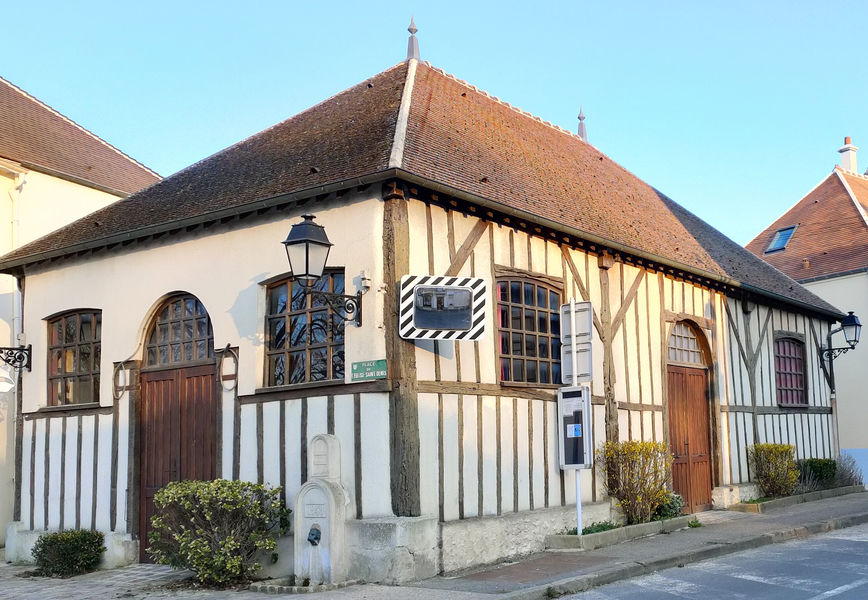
{"x": 441, "y": 308}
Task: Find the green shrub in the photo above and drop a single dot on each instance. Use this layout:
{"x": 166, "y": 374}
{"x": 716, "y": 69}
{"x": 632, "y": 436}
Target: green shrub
{"x": 822, "y": 470}
{"x": 68, "y": 553}
{"x": 216, "y": 528}
{"x": 774, "y": 468}
{"x": 671, "y": 507}
{"x": 635, "y": 474}
{"x": 598, "y": 527}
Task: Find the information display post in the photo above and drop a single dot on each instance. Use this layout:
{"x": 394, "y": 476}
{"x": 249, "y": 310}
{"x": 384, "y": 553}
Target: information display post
{"x": 576, "y": 448}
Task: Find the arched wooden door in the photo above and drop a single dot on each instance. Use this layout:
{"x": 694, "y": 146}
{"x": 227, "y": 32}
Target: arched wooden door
{"x": 178, "y": 409}
{"x": 689, "y": 430}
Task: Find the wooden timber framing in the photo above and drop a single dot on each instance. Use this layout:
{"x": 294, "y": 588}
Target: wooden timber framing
{"x": 490, "y": 446}
{"x": 401, "y": 357}
{"x": 468, "y": 388}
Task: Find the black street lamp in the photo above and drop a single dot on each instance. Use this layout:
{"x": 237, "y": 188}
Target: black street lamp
{"x": 307, "y": 249}
{"x": 852, "y": 327}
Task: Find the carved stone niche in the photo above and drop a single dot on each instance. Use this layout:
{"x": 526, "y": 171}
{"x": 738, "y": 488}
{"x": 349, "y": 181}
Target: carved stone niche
{"x": 320, "y": 515}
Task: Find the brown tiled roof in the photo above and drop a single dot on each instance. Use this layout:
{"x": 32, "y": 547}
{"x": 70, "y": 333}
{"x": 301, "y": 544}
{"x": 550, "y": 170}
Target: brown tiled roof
{"x": 831, "y": 234}
{"x": 39, "y": 137}
{"x": 455, "y": 136}
{"x": 463, "y": 137}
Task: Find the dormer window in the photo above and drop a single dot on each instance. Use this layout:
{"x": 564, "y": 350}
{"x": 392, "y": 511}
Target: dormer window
{"x": 782, "y": 237}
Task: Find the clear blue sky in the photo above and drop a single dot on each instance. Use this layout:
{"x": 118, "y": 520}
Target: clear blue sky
{"x": 734, "y": 109}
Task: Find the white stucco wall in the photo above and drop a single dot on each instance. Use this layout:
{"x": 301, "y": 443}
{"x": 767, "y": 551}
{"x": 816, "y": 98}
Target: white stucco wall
{"x": 850, "y": 293}
{"x": 31, "y": 205}
{"x": 224, "y": 270}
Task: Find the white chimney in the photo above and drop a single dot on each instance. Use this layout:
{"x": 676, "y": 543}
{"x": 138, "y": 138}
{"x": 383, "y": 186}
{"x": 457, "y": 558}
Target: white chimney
{"x": 848, "y": 156}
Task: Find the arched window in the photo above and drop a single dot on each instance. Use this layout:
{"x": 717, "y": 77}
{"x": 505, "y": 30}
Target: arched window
{"x": 684, "y": 347}
{"x": 790, "y": 371}
{"x": 74, "y": 357}
{"x": 528, "y": 330}
{"x": 181, "y": 334}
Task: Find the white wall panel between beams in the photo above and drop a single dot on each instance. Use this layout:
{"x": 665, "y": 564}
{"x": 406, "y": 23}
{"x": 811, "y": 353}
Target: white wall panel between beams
{"x": 70, "y": 474}
{"x": 248, "y": 467}
{"x": 54, "y": 448}
{"x": 39, "y": 476}
{"x": 103, "y": 473}
{"x": 227, "y": 402}
{"x": 450, "y": 457}
{"x": 88, "y": 427}
{"x": 489, "y": 455}
{"x": 345, "y": 431}
{"x": 376, "y": 474}
{"x": 123, "y": 451}
{"x": 26, "y": 465}
{"x": 538, "y": 447}
{"x": 292, "y": 450}
{"x": 507, "y": 463}
{"x": 271, "y": 444}
{"x": 471, "y": 474}
{"x": 429, "y": 463}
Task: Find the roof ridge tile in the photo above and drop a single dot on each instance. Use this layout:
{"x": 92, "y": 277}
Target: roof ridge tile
{"x": 503, "y": 102}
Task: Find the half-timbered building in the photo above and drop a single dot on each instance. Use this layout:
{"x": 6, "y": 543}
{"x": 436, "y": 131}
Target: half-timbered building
{"x": 170, "y": 341}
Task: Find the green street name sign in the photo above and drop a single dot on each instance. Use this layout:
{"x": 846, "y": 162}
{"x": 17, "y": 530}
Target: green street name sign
{"x": 369, "y": 369}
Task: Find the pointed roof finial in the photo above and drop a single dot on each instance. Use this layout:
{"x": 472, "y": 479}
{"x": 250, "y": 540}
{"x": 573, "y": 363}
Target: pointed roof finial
{"x": 412, "y": 43}
{"x": 582, "y": 132}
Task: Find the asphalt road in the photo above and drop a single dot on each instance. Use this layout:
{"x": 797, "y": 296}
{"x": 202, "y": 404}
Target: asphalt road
{"x": 832, "y": 565}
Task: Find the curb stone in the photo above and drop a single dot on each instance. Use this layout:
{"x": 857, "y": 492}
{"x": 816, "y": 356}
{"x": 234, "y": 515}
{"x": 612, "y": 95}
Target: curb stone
{"x": 582, "y": 583}
{"x": 281, "y": 586}
{"x": 762, "y": 507}
{"x": 624, "y": 533}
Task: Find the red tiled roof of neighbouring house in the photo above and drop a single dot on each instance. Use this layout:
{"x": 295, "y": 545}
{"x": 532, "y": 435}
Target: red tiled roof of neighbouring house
{"x": 38, "y": 137}
{"x": 831, "y": 231}
{"x": 437, "y": 129}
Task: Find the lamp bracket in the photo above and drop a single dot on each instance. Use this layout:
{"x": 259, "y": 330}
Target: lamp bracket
{"x": 831, "y": 354}
{"x": 17, "y": 357}
{"x": 346, "y": 308}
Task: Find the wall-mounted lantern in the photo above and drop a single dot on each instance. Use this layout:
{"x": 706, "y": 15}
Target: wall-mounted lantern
{"x": 852, "y": 328}
{"x": 307, "y": 249}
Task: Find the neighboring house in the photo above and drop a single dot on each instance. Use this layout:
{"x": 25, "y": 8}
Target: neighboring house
{"x": 822, "y": 242}
{"x": 213, "y": 364}
{"x": 51, "y": 172}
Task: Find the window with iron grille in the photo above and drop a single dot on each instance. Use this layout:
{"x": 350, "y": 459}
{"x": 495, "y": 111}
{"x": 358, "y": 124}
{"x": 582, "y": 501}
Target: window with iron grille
{"x": 528, "y": 330}
{"x": 73, "y": 358}
{"x": 790, "y": 372}
{"x": 181, "y": 334}
{"x": 305, "y": 336}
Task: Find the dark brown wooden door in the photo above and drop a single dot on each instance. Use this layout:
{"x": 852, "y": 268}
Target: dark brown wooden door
{"x": 177, "y": 427}
{"x": 689, "y": 436}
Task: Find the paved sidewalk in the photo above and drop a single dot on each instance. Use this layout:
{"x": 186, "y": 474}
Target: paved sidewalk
{"x": 535, "y": 577}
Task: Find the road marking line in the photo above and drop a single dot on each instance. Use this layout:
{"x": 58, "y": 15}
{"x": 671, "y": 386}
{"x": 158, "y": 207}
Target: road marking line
{"x": 840, "y": 590}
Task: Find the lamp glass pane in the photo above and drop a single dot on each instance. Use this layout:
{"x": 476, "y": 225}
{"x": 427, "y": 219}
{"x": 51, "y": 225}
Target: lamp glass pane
{"x": 851, "y": 333}
{"x": 297, "y": 254}
{"x": 317, "y": 256}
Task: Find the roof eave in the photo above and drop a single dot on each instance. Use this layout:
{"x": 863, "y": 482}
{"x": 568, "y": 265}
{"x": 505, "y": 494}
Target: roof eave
{"x": 613, "y": 245}
{"x": 16, "y": 266}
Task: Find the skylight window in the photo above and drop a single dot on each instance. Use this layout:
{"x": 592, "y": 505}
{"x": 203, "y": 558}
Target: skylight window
{"x": 782, "y": 237}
